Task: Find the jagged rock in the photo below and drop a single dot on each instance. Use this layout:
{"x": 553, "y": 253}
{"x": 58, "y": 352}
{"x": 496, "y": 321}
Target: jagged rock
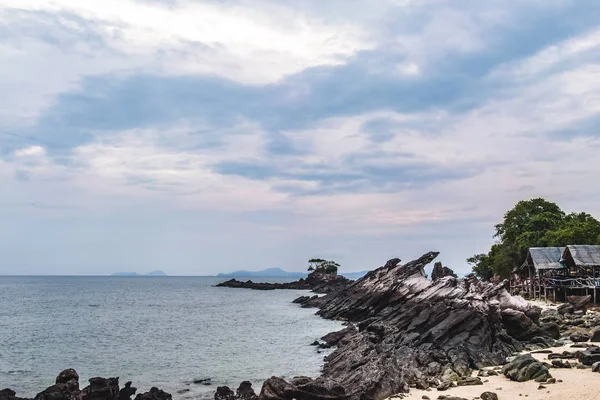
{"x": 304, "y": 299}
{"x": 68, "y": 375}
{"x": 66, "y": 387}
{"x": 439, "y": 272}
{"x": 224, "y": 393}
{"x": 301, "y": 388}
{"x": 127, "y": 391}
{"x": 579, "y": 302}
{"x": 101, "y": 389}
{"x": 524, "y": 368}
{"x": 489, "y": 396}
{"x": 154, "y": 394}
{"x": 579, "y": 337}
{"x": 245, "y": 391}
{"x": 589, "y": 356}
{"x": 595, "y": 336}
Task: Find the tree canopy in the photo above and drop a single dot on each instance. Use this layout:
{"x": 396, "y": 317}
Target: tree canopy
{"x": 323, "y": 266}
{"x": 533, "y": 223}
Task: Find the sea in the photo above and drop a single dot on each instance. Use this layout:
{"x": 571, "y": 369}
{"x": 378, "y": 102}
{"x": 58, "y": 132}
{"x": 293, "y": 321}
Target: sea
{"x": 154, "y": 331}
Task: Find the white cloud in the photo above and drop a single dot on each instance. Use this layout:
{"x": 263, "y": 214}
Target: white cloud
{"x": 33, "y": 151}
{"x": 237, "y": 42}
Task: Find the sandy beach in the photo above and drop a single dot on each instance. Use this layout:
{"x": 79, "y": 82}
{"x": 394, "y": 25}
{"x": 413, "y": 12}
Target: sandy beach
{"x": 576, "y": 384}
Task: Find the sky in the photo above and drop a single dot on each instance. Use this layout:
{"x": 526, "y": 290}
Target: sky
{"x": 206, "y": 136}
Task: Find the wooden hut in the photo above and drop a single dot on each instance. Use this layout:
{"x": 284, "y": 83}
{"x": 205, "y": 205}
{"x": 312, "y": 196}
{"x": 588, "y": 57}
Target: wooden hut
{"x": 540, "y": 263}
{"x": 583, "y": 265}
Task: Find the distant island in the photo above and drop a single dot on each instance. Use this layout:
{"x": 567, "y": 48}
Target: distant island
{"x": 280, "y": 273}
{"x": 153, "y": 273}
{"x": 269, "y": 272}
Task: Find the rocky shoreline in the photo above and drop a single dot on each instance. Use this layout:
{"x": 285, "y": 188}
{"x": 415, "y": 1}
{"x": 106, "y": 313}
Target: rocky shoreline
{"x": 404, "y": 331}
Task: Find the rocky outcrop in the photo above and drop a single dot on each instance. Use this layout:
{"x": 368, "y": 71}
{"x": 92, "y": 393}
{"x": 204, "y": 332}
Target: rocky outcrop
{"x": 413, "y": 331}
{"x": 439, "y": 272}
{"x": 317, "y": 282}
{"x": 100, "y": 389}
{"x": 154, "y": 394}
{"x": 407, "y": 331}
{"x": 67, "y": 388}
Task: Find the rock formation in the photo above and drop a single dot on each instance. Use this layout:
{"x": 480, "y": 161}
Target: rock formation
{"x": 67, "y": 388}
{"x": 317, "y": 282}
{"x": 407, "y": 331}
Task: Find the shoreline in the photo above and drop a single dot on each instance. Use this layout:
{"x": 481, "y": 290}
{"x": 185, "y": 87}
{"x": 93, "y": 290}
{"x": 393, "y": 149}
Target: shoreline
{"x": 571, "y": 383}
{"x": 407, "y": 335}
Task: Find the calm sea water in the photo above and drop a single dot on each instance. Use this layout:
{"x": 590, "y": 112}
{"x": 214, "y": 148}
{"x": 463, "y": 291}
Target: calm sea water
{"x": 154, "y": 331}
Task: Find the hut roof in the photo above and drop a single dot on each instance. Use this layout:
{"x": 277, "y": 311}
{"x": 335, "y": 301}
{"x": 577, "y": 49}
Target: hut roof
{"x": 584, "y": 255}
{"x": 545, "y": 257}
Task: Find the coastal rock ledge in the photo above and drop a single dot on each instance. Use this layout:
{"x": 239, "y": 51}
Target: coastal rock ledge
{"x": 405, "y": 331}
{"x": 67, "y": 388}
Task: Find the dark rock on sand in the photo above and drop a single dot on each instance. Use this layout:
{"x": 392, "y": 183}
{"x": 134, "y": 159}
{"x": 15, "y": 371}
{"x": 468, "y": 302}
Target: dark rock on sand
{"x": 469, "y": 381}
{"x": 595, "y": 336}
{"x": 589, "y": 356}
{"x": 489, "y": 396}
{"x": 579, "y": 337}
{"x": 524, "y": 368}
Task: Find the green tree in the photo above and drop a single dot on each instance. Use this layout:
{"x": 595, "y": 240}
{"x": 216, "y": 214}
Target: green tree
{"x": 323, "y": 266}
{"x": 576, "y": 228}
{"x": 525, "y": 226}
{"x": 533, "y": 223}
{"x": 481, "y": 265}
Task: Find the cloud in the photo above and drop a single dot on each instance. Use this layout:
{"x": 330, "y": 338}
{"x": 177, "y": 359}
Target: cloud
{"x": 281, "y": 129}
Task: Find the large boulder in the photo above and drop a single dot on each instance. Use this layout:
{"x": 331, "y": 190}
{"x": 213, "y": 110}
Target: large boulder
{"x": 579, "y": 302}
{"x": 595, "y": 336}
{"x": 154, "y": 394}
{"x": 101, "y": 389}
{"x": 579, "y": 337}
{"x": 245, "y": 391}
{"x": 127, "y": 392}
{"x": 65, "y": 388}
{"x": 224, "y": 393}
{"x": 524, "y": 368}
{"x": 589, "y": 356}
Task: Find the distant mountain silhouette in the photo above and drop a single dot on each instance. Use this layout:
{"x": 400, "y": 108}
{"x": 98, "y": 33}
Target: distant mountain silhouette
{"x": 278, "y": 272}
{"x": 153, "y": 273}
{"x": 272, "y": 272}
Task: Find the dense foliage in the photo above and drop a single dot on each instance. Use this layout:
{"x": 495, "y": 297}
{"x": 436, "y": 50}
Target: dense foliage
{"x": 533, "y": 223}
{"x": 323, "y": 266}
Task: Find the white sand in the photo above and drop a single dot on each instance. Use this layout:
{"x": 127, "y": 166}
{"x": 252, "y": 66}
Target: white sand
{"x": 576, "y": 384}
